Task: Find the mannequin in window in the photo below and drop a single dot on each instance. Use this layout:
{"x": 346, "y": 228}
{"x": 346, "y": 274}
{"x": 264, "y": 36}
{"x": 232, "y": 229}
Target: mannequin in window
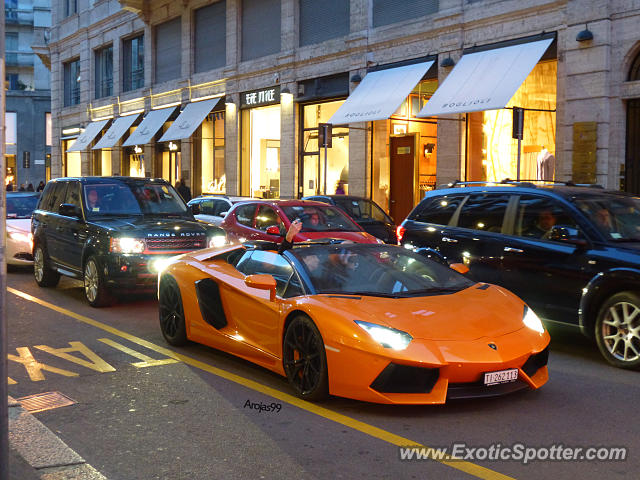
{"x": 546, "y": 165}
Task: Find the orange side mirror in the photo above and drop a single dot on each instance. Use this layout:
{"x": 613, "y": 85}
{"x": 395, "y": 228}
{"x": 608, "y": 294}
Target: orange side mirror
{"x": 262, "y": 282}
{"x": 460, "y": 268}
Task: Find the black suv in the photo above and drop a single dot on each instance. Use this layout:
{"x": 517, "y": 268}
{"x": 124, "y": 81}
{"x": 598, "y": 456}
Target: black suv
{"x": 112, "y": 232}
{"x": 572, "y": 253}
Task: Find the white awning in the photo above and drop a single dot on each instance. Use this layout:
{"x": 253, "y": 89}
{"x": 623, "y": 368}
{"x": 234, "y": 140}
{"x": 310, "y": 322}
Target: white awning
{"x": 86, "y": 137}
{"x": 485, "y": 80}
{"x": 150, "y": 124}
{"x": 116, "y": 131}
{"x": 380, "y": 94}
{"x": 189, "y": 119}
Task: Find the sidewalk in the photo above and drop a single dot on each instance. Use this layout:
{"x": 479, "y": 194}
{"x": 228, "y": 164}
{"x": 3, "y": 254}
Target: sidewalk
{"x": 36, "y": 453}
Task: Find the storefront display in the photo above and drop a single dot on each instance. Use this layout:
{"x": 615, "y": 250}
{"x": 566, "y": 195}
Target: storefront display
{"x": 313, "y": 155}
{"x": 260, "y": 164}
{"x": 212, "y": 154}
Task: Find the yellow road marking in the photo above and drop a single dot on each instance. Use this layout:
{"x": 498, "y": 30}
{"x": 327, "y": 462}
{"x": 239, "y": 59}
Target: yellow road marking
{"x": 146, "y": 361}
{"x": 34, "y": 368}
{"x": 94, "y": 363}
{"x": 464, "y": 466}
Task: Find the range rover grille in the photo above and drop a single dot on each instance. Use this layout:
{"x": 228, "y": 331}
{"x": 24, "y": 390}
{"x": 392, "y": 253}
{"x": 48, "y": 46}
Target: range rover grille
{"x": 158, "y": 244}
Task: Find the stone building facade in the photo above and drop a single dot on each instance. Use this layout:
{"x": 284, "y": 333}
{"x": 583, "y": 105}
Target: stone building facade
{"x": 591, "y": 128}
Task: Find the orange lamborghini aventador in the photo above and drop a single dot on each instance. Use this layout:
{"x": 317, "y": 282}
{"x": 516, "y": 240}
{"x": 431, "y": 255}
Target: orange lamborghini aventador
{"x": 378, "y": 323}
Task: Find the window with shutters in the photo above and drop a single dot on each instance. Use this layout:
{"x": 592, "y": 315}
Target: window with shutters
{"x": 71, "y": 83}
{"x": 133, "y": 63}
{"x": 168, "y": 50}
{"x": 386, "y": 12}
{"x": 104, "y": 72}
{"x": 320, "y": 21}
{"x": 210, "y": 49}
{"x": 260, "y": 28}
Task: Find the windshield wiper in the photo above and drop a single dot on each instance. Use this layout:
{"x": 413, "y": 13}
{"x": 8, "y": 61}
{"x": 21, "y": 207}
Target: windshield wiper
{"x": 362, "y": 294}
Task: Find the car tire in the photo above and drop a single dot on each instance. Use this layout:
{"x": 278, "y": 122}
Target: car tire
{"x": 171, "y": 312}
{"x": 617, "y": 330}
{"x": 95, "y": 286}
{"x": 45, "y": 276}
{"x": 305, "y": 360}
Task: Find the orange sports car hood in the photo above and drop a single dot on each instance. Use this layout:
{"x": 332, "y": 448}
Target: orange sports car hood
{"x": 469, "y": 314}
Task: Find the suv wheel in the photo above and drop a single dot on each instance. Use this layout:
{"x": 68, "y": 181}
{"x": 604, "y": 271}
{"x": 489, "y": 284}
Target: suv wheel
{"x": 44, "y": 275}
{"x": 95, "y": 288}
{"x": 617, "y": 330}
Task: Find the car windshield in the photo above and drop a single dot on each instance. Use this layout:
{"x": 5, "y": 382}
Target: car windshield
{"x": 21, "y": 206}
{"x": 120, "y": 198}
{"x": 616, "y": 216}
{"x": 376, "y": 270}
{"x": 320, "y": 218}
{"x": 362, "y": 210}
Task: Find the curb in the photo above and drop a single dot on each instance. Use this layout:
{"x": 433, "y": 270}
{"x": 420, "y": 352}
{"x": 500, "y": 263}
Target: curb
{"x": 51, "y": 458}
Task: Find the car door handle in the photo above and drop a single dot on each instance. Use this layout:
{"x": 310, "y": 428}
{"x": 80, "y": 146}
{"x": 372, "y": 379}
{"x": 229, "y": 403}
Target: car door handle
{"x": 511, "y": 249}
{"x": 449, "y": 240}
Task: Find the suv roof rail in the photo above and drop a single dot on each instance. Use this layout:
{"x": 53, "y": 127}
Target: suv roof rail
{"x": 533, "y": 183}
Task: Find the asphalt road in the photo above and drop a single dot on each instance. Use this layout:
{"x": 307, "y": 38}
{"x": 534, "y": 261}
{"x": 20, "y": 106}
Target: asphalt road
{"x": 147, "y": 411}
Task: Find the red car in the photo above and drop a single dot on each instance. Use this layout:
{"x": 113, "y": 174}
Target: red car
{"x": 270, "y": 219}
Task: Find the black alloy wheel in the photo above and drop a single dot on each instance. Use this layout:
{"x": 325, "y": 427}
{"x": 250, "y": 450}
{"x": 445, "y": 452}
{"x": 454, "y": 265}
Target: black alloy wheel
{"x": 171, "y": 312}
{"x": 95, "y": 286}
{"x": 45, "y": 276}
{"x": 305, "y": 360}
{"x": 617, "y": 330}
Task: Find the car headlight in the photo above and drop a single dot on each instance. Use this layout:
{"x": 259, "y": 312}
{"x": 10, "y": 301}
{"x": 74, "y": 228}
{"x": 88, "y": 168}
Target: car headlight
{"x": 217, "y": 241}
{"x": 379, "y": 240}
{"x": 19, "y": 236}
{"x": 532, "y": 320}
{"x": 126, "y": 245}
{"x": 159, "y": 264}
{"x": 386, "y": 336}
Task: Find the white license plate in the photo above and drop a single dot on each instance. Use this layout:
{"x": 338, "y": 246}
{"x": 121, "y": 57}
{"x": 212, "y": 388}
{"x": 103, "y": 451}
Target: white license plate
{"x": 501, "y": 376}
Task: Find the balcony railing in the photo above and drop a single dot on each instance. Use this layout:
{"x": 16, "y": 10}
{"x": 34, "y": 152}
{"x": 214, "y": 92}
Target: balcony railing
{"x": 15, "y": 58}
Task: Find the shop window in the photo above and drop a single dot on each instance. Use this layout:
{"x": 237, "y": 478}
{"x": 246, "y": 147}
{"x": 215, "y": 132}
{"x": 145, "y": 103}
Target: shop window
{"x": 261, "y": 152}
{"x": 104, "y": 72}
{"x": 312, "y": 163}
{"x": 168, "y": 50}
{"x": 212, "y": 154}
{"x": 47, "y": 129}
{"x": 210, "y": 38}
{"x": 133, "y": 63}
{"x": 320, "y": 21}
{"x": 71, "y": 83}
{"x": 493, "y": 153}
{"x": 260, "y": 28}
{"x": 386, "y": 12}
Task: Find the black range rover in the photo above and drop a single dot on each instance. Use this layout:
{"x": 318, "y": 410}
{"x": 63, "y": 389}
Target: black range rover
{"x": 114, "y": 233}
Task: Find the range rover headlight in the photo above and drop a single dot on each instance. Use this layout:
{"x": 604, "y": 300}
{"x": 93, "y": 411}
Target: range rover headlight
{"x": 386, "y": 336}
{"x": 217, "y": 241}
{"x": 126, "y": 245}
{"x": 532, "y": 320}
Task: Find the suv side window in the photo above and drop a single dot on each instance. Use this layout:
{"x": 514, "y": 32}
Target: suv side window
{"x": 72, "y": 195}
{"x": 244, "y": 214}
{"x": 484, "y": 211}
{"x": 536, "y": 215}
{"x": 45, "y": 199}
{"x": 57, "y": 197}
{"x": 268, "y": 217}
{"x": 438, "y": 210}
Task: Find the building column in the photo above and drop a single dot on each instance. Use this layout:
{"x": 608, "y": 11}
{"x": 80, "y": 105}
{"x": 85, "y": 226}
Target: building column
{"x": 288, "y": 164}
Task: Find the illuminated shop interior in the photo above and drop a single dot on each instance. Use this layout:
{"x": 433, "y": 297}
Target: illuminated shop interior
{"x": 313, "y": 157}
{"x": 260, "y": 175}
{"x": 212, "y": 154}
{"x": 492, "y": 153}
